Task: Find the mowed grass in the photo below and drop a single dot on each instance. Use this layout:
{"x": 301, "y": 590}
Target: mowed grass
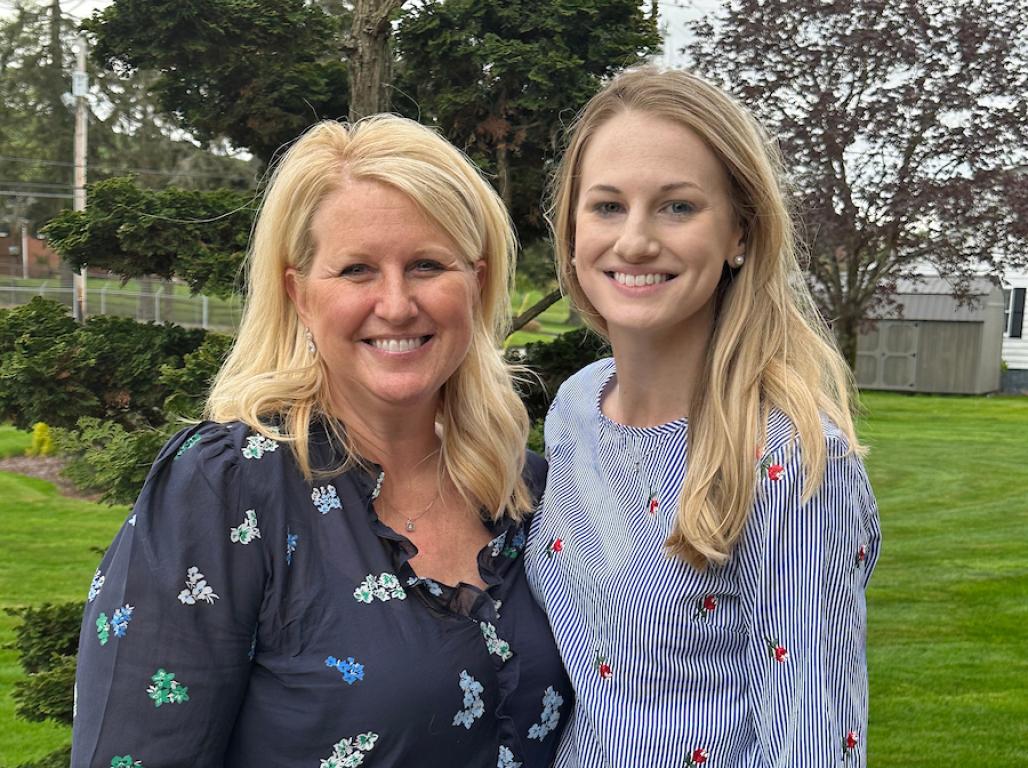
{"x": 948, "y": 602}
{"x": 50, "y": 550}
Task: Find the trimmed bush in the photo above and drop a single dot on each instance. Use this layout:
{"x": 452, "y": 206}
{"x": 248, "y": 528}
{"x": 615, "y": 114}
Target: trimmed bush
{"x": 42, "y": 440}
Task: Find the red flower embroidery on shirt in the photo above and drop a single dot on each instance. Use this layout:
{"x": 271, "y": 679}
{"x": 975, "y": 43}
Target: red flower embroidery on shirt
{"x": 776, "y": 650}
{"x": 861, "y": 554}
{"x": 699, "y": 757}
{"x": 769, "y": 469}
{"x": 602, "y": 667}
{"x": 652, "y": 506}
{"x": 848, "y": 745}
{"x": 555, "y": 546}
{"x": 705, "y": 606}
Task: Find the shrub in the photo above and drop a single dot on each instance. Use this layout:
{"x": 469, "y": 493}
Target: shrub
{"x": 54, "y": 370}
{"x": 103, "y": 456}
{"x": 552, "y": 362}
{"x": 187, "y": 385}
{"x": 46, "y": 640}
{"x": 42, "y": 440}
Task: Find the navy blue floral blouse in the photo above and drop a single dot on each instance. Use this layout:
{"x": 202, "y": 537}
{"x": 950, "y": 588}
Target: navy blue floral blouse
{"x": 243, "y": 617}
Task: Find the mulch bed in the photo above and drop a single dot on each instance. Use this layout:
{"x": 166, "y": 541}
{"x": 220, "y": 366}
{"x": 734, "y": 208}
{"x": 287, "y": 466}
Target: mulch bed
{"x": 46, "y": 468}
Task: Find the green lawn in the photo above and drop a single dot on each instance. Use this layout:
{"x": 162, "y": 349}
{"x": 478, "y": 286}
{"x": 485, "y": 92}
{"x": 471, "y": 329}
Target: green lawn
{"x": 948, "y": 635}
{"x": 51, "y": 549}
{"x": 13, "y": 442}
{"x": 948, "y": 602}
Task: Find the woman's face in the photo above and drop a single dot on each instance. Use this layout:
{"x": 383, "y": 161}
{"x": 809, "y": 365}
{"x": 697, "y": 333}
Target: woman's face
{"x": 654, "y": 225}
{"x": 389, "y": 300}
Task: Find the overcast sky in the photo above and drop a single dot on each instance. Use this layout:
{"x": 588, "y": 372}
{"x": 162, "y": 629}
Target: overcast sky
{"x": 675, "y": 16}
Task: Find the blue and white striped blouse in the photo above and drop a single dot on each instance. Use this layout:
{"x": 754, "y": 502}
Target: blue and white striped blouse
{"x": 760, "y": 662}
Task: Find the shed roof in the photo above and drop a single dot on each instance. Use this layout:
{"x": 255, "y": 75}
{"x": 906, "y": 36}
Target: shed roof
{"x": 931, "y": 298}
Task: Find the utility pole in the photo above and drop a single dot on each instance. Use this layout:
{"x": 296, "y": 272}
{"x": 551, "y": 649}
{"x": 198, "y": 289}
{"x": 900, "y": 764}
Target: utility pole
{"x": 80, "y": 89}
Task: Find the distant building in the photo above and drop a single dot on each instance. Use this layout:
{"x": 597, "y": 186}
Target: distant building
{"x": 1015, "y": 333}
{"x": 43, "y": 262}
{"x": 930, "y": 342}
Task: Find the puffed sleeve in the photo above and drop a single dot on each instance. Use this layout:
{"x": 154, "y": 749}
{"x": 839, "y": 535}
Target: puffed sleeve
{"x": 166, "y": 643}
{"x": 806, "y": 567}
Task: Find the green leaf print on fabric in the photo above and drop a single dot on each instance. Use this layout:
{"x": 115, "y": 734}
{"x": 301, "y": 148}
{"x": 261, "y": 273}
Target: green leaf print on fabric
{"x": 166, "y": 689}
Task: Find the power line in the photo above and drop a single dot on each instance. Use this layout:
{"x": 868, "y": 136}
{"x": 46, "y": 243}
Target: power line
{"x": 115, "y": 169}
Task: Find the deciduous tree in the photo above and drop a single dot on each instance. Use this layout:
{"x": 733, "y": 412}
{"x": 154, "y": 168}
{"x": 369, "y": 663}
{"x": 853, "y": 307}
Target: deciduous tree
{"x": 903, "y": 123}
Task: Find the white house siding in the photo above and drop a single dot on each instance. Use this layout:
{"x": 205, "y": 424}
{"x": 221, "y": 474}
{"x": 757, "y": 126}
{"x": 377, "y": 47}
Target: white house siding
{"x": 1015, "y": 350}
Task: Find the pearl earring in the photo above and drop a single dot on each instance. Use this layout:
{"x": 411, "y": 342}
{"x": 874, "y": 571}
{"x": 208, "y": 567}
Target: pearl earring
{"x": 739, "y": 260}
{"x": 311, "y": 346}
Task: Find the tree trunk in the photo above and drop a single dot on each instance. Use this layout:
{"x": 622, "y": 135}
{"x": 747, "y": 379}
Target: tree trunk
{"x": 503, "y": 173}
{"x": 62, "y": 122}
{"x": 847, "y": 331}
{"x": 370, "y": 58}
{"x": 535, "y": 310}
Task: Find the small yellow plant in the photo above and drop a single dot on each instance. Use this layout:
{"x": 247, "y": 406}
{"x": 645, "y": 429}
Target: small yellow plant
{"x": 42, "y": 441}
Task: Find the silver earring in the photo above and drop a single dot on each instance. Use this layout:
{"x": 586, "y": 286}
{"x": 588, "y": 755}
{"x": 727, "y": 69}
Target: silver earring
{"x": 311, "y": 346}
{"x": 739, "y": 260}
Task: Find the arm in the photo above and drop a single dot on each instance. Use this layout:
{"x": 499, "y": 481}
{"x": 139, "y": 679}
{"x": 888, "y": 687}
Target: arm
{"x": 806, "y": 570}
{"x": 164, "y": 654}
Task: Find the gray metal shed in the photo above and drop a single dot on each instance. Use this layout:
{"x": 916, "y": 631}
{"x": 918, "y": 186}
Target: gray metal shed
{"x": 938, "y": 345}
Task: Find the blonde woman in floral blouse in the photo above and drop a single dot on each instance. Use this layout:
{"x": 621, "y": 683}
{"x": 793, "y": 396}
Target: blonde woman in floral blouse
{"x": 707, "y": 530}
{"x": 328, "y": 572}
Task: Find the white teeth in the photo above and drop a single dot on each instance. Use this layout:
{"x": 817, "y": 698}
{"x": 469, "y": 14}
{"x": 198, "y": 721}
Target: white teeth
{"x": 398, "y": 345}
{"x": 633, "y": 281}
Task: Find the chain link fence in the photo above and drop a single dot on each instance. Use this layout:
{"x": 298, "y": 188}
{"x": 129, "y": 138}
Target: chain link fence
{"x": 161, "y": 305}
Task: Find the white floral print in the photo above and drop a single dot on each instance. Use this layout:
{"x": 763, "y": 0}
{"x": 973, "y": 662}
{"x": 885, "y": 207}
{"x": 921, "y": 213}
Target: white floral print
{"x": 326, "y": 498}
{"x": 506, "y": 759}
{"x": 349, "y": 753}
{"x": 96, "y": 586}
{"x": 385, "y": 587}
{"x": 258, "y": 445}
{"x": 247, "y": 531}
{"x": 495, "y": 645}
{"x": 474, "y": 708}
{"x": 550, "y": 716}
{"x": 197, "y": 588}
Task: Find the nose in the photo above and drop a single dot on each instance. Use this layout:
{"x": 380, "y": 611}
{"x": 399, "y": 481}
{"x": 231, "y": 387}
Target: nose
{"x": 636, "y": 241}
{"x": 396, "y": 303}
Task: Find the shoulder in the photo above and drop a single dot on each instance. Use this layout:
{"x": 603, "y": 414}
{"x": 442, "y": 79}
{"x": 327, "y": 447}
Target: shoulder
{"x": 534, "y": 473}
{"x": 586, "y": 383}
{"x": 574, "y": 408}
{"x": 783, "y": 437}
{"x": 212, "y": 467}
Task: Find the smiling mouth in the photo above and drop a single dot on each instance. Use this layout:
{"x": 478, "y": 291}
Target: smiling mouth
{"x": 398, "y": 345}
{"x": 634, "y": 281}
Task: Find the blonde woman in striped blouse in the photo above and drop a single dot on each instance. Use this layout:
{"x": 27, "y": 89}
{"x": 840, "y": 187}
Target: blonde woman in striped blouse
{"x": 707, "y": 531}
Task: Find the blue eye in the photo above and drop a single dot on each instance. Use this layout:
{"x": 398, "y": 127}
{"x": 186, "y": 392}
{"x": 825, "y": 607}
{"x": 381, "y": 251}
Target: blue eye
{"x": 354, "y": 270}
{"x": 680, "y": 208}
{"x": 427, "y": 265}
{"x": 607, "y": 208}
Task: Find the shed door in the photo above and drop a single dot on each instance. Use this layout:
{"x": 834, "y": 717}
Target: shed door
{"x": 887, "y": 356}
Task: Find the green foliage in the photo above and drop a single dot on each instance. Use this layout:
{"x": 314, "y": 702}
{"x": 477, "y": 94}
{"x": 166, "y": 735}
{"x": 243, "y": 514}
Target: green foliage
{"x": 42, "y": 441}
{"x": 103, "y": 456}
{"x": 41, "y": 371}
{"x": 54, "y": 370}
{"x": 187, "y": 385}
{"x": 509, "y": 75}
{"x": 552, "y": 362}
{"x": 255, "y": 71}
{"x": 36, "y": 57}
{"x": 59, "y": 758}
{"x": 46, "y": 640}
{"x": 198, "y": 236}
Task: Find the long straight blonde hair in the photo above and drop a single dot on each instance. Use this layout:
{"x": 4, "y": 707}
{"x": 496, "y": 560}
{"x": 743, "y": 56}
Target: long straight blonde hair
{"x": 270, "y": 374}
{"x": 770, "y": 349}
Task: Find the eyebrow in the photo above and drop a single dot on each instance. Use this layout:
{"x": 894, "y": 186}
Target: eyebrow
{"x": 664, "y": 187}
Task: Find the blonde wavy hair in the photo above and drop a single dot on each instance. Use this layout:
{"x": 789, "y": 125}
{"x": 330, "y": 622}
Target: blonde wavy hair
{"x": 269, "y": 373}
{"x": 770, "y": 349}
